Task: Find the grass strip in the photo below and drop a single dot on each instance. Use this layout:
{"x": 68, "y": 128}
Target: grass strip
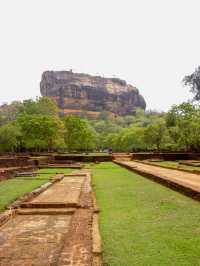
{"x": 144, "y": 223}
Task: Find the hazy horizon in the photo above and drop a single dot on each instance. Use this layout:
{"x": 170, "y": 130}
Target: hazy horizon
{"x": 151, "y": 45}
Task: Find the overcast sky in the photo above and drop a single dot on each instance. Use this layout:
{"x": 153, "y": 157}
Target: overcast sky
{"x": 151, "y": 44}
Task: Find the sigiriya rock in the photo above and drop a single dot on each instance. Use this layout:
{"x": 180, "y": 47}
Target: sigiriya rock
{"x": 77, "y": 92}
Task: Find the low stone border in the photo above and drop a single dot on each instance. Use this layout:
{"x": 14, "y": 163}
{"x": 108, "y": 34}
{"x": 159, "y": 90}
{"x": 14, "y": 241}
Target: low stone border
{"x": 46, "y": 211}
{"x": 96, "y": 242}
{"x": 96, "y": 236}
{"x": 95, "y": 205}
{"x": 29, "y": 196}
{"x": 72, "y": 166}
{"x": 10, "y": 173}
{"x": 7, "y": 215}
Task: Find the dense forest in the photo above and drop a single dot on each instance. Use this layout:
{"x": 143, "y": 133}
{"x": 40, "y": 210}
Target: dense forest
{"x": 37, "y": 126}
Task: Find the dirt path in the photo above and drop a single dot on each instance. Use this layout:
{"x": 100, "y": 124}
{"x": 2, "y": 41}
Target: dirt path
{"x": 55, "y": 228}
{"x": 187, "y": 180}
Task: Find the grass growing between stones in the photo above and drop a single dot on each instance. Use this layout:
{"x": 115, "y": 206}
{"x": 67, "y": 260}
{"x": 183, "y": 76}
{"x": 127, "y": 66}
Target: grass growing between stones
{"x": 12, "y": 189}
{"x": 144, "y": 223}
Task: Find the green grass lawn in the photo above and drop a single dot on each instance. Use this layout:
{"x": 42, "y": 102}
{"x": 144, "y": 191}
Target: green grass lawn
{"x": 12, "y": 189}
{"x": 144, "y": 223}
{"x": 176, "y": 165}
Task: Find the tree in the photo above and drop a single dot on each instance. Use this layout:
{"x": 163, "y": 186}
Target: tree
{"x": 193, "y": 81}
{"x": 155, "y": 134}
{"x": 40, "y": 131}
{"x": 47, "y": 106}
{"x": 183, "y": 126}
{"x": 9, "y": 112}
{"x": 112, "y": 141}
{"x": 131, "y": 139}
{"x": 105, "y": 128}
{"x": 88, "y": 138}
{"x": 43, "y": 106}
{"x": 185, "y": 111}
{"x": 79, "y": 135}
{"x": 9, "y": 137}
{"x": 194, "y": 137}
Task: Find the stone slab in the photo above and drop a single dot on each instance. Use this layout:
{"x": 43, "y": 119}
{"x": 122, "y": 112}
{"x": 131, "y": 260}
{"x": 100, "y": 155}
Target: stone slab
{"x": 33, "y": 240}
{"x": 67, "y": 191}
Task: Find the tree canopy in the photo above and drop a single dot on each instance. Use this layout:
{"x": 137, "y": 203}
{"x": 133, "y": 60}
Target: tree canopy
{"x": 78, "y": 135}
{"x": 40, "y": 131}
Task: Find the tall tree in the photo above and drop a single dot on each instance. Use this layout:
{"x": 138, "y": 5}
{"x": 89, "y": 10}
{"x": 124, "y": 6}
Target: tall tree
{"x": 193, "y": 81}
{"x": 40, "y": 131}
{"x": 9, "y": 137}
{"x": 155, "y": 134}
{"x": 79, "y": 135}
{"x": 42, "y": 106}
{"x": 183, "y": 126}
{"x": 9, "y": 112}
{"x": 132, "y": 139}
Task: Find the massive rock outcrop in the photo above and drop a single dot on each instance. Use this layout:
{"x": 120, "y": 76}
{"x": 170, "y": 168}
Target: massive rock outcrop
{"x": 76, "y": 93}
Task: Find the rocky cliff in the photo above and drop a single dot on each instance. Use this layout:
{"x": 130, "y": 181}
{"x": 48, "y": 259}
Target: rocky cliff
{"x": 76, "y": 92}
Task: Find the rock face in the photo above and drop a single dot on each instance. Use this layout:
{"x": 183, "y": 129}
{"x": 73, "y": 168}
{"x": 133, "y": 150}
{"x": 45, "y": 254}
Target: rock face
{"x": 76, "y": 93}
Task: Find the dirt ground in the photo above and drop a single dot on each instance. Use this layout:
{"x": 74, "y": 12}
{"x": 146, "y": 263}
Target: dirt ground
{"x": 55, "y": 228}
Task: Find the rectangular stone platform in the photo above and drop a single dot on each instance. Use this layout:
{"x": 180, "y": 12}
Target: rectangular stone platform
{"x": 46, "y": 231}
{"x": 66, "y": 193}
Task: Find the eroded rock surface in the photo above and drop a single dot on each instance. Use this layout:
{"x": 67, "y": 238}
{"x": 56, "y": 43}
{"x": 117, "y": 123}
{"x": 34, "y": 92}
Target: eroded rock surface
{"x": 77, "y": 92}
